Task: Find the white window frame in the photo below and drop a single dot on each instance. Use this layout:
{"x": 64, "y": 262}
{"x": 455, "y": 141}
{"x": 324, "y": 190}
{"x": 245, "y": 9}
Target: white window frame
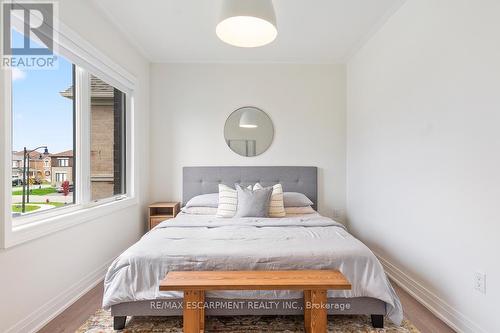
{"x": 80, "y": 52}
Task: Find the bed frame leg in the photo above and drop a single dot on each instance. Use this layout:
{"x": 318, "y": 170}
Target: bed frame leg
{"x": 377, "y": 321}
{"x": 119, "y": 322}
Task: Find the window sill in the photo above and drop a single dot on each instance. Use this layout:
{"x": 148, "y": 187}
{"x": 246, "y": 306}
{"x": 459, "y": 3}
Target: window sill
{"x": 27, "y": 232}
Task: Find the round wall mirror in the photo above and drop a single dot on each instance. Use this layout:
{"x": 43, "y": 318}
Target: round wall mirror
{"x": 248, "y": 131}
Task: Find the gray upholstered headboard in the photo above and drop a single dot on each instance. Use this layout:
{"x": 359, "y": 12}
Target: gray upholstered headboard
{"x": 202, "y": 180}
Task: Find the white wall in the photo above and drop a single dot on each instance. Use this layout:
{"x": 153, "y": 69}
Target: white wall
{"x": 423, "y": 182}
{"x": 190, "y": 103}
{"x": 38, "y": 277}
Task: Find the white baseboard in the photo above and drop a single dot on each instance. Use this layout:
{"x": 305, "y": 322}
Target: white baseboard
{"x": 45, "y": 313}
{"x": 452, "y": 317}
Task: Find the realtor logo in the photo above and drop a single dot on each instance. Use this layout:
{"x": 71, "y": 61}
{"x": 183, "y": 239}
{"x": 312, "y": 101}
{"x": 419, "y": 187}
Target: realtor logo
{"x": 28, "y": 35}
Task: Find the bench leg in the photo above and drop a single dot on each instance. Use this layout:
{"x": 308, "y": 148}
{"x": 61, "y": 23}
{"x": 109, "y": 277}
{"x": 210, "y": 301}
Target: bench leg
{"x": 315, "y": 314}
{"x": 202, "y": 311}
{"x": 194, "y": 311}
{"x": 119, "y": 322}
{"x": 377, "y": 321}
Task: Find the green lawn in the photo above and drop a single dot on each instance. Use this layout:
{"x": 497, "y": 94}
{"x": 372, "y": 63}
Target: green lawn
{"x": 55, "y": 204}
{"x": 37, "y": 191}
{"x": 29, "y": 208}
{"x": 32, "y": 206}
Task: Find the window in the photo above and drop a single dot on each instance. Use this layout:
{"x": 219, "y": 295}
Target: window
{"x": 107, "y": 140}
{"x": 61, "y": 177}
{"x": 63, "y": 162}
{"x": 52, "y": 111}
{"x": 42, "y": 123}
{"x": 60, "y": 109}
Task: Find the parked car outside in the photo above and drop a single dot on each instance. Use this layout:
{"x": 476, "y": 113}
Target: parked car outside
{"x": 17, "y": 182}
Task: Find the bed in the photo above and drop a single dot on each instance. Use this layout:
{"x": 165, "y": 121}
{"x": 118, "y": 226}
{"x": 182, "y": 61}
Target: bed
{"x": 205, "y": 242}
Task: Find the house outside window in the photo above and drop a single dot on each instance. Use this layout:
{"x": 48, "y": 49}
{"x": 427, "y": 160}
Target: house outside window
{"x": 62, "y": 163}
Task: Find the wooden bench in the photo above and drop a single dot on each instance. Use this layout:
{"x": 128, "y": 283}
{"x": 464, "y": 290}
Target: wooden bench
{"x": 314, "y": 283}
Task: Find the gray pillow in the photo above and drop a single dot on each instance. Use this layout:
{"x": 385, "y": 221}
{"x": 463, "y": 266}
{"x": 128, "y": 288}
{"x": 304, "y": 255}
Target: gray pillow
{"x": 253, "y": 203}
{"x": 295, "y": 199}
{"x": 204, "y": 200}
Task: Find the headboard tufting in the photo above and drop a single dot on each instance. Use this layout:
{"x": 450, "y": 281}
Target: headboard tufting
{"x": 202, "y": 180}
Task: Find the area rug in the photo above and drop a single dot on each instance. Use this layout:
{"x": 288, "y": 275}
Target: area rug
{"x": 102, "y": 322}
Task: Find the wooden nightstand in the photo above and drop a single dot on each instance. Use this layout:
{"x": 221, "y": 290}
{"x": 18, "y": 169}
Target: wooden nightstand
{"x": 161, "y": 211}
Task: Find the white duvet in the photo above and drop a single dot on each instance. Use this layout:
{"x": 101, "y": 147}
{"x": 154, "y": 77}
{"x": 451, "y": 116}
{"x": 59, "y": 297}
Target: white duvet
{"x": 204, "y": 242}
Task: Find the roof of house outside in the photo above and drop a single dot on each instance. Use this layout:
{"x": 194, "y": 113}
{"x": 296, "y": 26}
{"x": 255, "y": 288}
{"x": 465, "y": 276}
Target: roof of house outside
{"x": 99, "y": 89}
{"x": 67, "y": 153}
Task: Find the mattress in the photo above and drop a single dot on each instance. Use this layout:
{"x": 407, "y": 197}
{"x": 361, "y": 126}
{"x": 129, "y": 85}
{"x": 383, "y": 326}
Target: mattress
{"x": 205, "y": 242}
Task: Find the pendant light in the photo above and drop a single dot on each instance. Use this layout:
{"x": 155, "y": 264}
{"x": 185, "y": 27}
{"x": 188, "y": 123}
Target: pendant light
{"x": 247, "y": 23}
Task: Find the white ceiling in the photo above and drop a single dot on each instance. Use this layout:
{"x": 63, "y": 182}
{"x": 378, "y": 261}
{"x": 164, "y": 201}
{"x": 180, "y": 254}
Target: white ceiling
{"x": 309, "y": 31}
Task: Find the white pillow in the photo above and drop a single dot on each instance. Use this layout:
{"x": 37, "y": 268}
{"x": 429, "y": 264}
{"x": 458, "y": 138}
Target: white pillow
{"x": 199, "y": 210}
{"x": 228, "y": 201}
{"x": 299, "y": 210}
{"x": 276, "y": 205}
{"x": 204, "y": 200}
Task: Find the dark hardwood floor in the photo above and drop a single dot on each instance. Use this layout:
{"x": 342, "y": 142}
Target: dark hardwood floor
{"x": 78, "y": 313}
{"x": 74, "y": 316}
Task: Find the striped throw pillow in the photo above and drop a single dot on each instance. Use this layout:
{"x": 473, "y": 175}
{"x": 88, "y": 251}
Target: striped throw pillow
{"x": 228, "y": 201}
{"x": 276, "y": 205}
